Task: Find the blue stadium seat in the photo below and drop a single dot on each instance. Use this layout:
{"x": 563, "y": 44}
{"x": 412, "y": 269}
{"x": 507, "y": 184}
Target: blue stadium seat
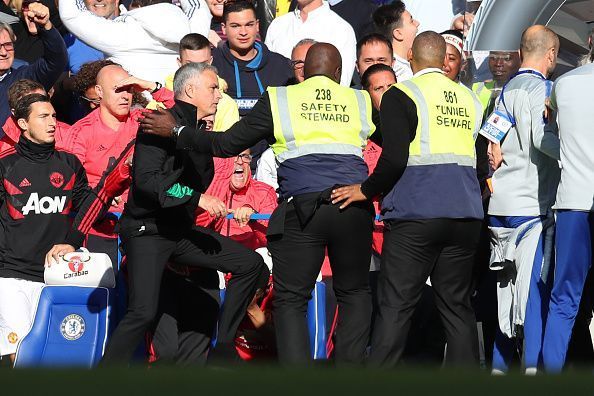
{"x": 69, "y": 329}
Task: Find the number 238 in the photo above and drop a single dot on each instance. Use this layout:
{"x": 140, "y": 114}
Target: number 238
{"x": 323, "y": 94}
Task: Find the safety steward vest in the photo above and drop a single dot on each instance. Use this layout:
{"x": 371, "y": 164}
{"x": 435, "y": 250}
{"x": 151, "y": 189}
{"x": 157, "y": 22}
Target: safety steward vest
{"x": 320, "y": 129}
{"x": 440, "y": 178}
{"x": 483, "y": 91}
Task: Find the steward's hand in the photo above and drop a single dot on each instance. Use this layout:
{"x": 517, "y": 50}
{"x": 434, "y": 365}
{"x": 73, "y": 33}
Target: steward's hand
{"x": 159, "y": 122}
{"x": 348, "y": 194}
{"x": 214, "y": 206}
{"x": 56, "y": 252}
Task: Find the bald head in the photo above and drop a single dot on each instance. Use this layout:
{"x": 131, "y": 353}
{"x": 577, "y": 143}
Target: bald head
{"x": 111, "y": 74}
{"x": 537, "y": 40}
{"x": 428, "y": 50}
{"x": 113, "y": 102}
{"x": 539, "y": 49}
{"x": 323, "y": 59}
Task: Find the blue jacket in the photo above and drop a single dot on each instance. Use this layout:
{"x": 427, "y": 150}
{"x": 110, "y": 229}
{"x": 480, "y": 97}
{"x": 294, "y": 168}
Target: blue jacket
{"x": 45, "y": 70}
{"x": 247, "y": 81}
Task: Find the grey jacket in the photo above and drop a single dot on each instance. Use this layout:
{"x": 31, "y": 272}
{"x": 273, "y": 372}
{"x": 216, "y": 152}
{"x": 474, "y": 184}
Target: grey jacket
{"x": 526, "y": 182}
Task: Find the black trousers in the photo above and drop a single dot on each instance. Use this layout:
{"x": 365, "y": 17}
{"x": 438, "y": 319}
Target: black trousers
{"x": 298, "y": 255}
{"x": 187, "y": 318}
{"x": 147, "y": 254}
{"x": 444, "y": 250}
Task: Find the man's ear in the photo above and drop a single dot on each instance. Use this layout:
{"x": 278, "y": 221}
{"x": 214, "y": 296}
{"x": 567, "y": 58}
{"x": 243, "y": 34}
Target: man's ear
{"x": 99, "y": 91}
{"x": 409, "y": 55}
{"x": 189, "y": 90}
{"x": 338, "y": 74}
{"x": 22, "y": 123}
{"x": 179, "y": 63}
{"x": 224, "y": 28}
{"x": 397, "y": 34}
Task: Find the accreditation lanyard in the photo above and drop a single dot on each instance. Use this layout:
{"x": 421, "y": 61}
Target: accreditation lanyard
{"x": 502, "y": 96}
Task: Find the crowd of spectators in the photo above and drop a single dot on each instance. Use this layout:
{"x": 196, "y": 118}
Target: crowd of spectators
{"x": 103, "y": 63}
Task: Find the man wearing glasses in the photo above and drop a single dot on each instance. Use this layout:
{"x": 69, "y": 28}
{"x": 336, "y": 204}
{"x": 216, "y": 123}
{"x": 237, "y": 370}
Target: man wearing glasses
{"x": 45, "y": 70}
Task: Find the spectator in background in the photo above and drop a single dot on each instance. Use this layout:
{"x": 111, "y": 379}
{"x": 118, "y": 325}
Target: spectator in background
{"x": 12, "y": 132}
{"x": 372, "y": 49}
{"x": 79, "y": 52}
{"x": 248, "y": 66}
{"x": 357, "y": 13}
{"x": 100, "y": 136}
{"x": 398, "y": 26}
{"x": 298, "y": 57}
{"x": 195, "y": 47}
{"x": 45, "y": 70}
{"x": 144, "y": 41}
{"x": 436, "y": 15}
{"x": 454, "y": 54}
{"x": 315, "y": 20}
{"x": 376, "y": 80}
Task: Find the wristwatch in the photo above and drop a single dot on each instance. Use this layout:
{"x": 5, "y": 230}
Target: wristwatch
{"x": 176, "y": 130}
{"x": 158, "y": 86}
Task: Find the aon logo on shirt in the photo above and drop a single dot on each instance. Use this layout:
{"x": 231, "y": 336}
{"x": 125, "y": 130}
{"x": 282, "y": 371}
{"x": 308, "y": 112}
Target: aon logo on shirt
{"x": 44, "y": 205}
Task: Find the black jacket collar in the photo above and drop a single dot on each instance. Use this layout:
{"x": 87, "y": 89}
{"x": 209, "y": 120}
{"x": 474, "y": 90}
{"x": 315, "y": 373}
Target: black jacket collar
{"x": 186, "y": 114}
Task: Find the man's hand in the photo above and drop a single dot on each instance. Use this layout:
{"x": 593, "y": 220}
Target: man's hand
{"x": 158, "y": 122}
{"x": 137, "y": 84}
{"x": 36, "y": 14}
{"x": 214, "y": 206}
{"x": 56, "y": 252}
{"x": 348, "y": 194}
{"x": 242, "y": 215}
{"x": 495, "y": 155}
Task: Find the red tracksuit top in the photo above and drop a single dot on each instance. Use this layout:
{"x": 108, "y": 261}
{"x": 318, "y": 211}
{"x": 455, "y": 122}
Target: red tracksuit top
{"x": 96, "y": 146}
{"x": 258, "y": 195}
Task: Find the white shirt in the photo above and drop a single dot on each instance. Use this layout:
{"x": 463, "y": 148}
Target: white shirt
{"x": 402, "y": 69}
{"x": 436, "y": 15}
{"x": 145, "y": 41}
{"x": 572, "y": 96}
{"x": 323, "y": 25}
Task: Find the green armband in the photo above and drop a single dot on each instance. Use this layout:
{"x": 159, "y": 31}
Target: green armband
{"x": 179, "y": 191}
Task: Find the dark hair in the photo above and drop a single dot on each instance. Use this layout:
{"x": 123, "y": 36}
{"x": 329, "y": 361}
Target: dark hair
{"x": 389, "y": 17}
{"x": 373, "y": 38}
{"x": 21, "y": 88}
{"x": 237, "y": 6}
{"x": 193, "y": 42}
{"x": 87, "y": 75}
{"x": 454, "y": 32}
{"x": 23, "y": 106}
{"x": 374, "y": 69}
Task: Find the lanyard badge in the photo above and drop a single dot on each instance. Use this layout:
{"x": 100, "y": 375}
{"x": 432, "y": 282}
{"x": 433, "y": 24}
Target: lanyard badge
{"x": 499, "y": 123}
{"x": 496, "y": 127}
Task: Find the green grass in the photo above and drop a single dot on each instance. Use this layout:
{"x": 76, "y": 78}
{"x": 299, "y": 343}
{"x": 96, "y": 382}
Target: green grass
{"x": 281, "y": 382}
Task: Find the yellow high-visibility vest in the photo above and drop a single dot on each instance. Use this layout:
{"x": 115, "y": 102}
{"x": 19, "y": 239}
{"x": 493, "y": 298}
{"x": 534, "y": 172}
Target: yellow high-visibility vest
{"x": 483, "y": 91}
{"x": 449, "y": 118}
{"x": 319, "y": 116}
